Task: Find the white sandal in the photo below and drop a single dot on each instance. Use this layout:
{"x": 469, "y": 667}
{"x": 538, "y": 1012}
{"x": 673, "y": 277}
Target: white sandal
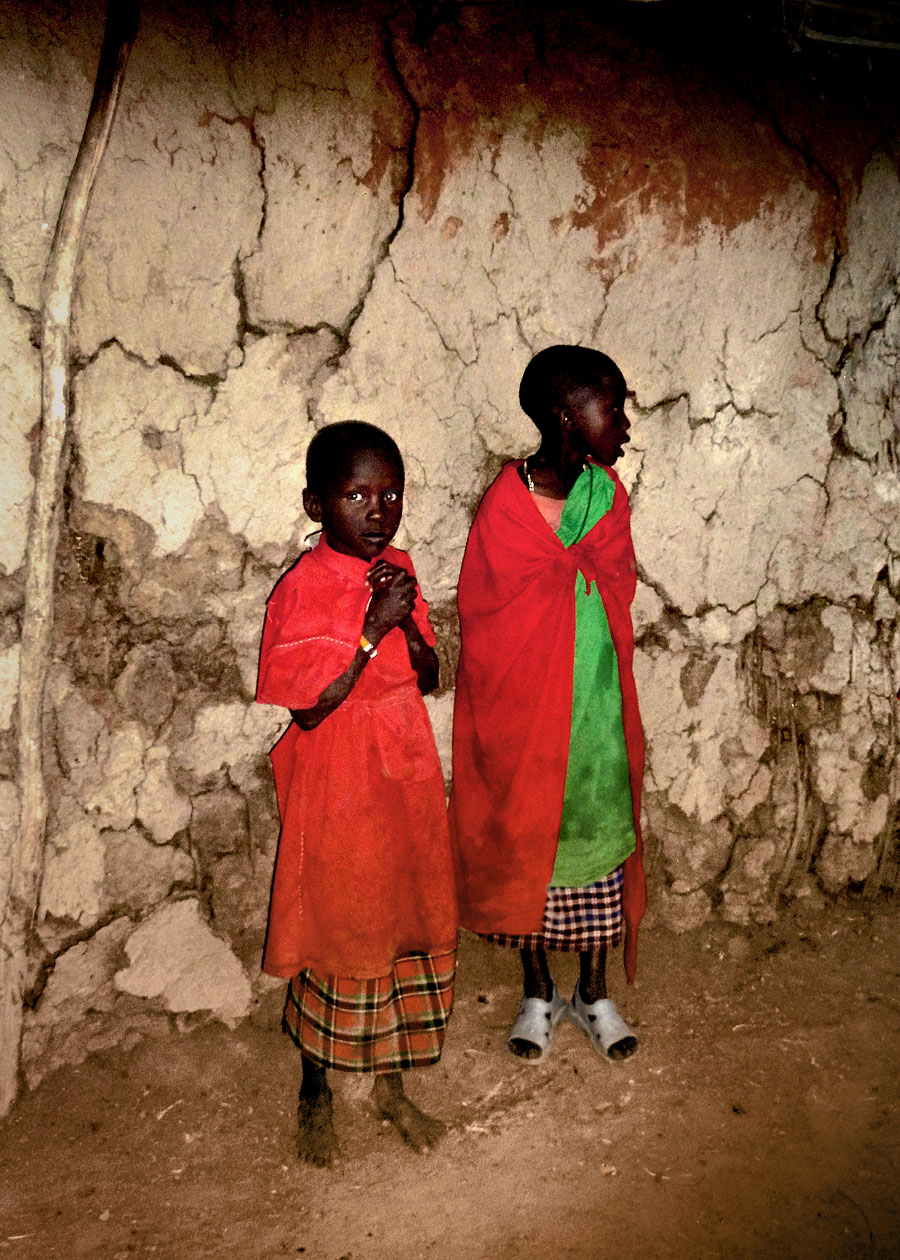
{"x": 536, "y": 1023}
{"x": 601, "y": 1021}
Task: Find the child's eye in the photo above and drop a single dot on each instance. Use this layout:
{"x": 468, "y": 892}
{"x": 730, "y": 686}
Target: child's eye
{"x": 391, "y": 496}
{"x": 354, "y": 495}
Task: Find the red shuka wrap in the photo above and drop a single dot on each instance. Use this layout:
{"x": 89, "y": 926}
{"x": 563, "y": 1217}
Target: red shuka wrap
{"x": 513, "y": 709}
{"x": 364, "y": 872}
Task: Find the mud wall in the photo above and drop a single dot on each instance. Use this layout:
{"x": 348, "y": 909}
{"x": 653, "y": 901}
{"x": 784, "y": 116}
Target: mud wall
{"x": 310, "y": 213}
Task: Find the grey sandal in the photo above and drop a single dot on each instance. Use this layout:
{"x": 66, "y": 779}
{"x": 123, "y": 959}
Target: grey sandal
{"x": 601, "y": 1021}
{"x": 536, "y": 1023}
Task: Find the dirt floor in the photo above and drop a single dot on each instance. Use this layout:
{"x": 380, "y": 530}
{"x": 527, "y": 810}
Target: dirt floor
{"x": 759, "y": 1119}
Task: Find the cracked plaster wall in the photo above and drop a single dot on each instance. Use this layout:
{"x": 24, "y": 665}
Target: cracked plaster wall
{"x": 308, "y": 218}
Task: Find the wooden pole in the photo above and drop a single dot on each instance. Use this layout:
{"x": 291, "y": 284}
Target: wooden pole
{"x": 21, "y": 880}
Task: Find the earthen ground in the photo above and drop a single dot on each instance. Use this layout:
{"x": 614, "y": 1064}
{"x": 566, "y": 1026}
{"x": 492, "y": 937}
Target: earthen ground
{"x": 758, "y": 1120}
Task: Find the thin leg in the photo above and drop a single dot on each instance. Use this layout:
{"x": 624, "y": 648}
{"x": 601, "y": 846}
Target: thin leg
{"x": 536, "y": 974}
{"x": 417, "y": 1128}
{"x": 316, "y": 1140}
{"x": 592, "y": 978}
{"x": 537, "y": 982}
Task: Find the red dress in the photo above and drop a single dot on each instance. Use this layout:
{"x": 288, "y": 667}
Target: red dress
{"x": 364, "y": 873}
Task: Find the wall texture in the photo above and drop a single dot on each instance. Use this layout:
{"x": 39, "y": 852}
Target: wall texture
{"x": 316, "y": 212}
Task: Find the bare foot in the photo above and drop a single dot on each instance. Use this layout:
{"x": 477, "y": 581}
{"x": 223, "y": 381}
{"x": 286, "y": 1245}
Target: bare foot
{"x": 316, "y": 1140}
{"x": 418, "y": 1130}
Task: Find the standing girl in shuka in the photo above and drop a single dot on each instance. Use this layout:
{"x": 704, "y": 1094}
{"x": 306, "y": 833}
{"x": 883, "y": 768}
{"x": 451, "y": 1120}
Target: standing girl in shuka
{"x": 363, "y": 917}
{"x": 547, "y": 743}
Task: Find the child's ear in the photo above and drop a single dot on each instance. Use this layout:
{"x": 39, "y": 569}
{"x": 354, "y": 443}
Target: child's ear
{"x": 312, "y": 506}
{"x": 563, "y": 417}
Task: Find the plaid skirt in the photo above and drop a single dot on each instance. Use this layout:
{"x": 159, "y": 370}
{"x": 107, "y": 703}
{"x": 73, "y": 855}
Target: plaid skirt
{"x": 387, "y": 1024}
{"x": 575, "y": 918}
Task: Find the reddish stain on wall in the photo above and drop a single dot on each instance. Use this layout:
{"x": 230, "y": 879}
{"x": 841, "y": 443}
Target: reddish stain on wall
{"x": 652, "y": 135}
{"x": 391, "y": 125}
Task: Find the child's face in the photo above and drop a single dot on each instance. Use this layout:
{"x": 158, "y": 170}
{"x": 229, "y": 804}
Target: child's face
{"x": 360, "y": 510}
{"x": 597, "y": 420}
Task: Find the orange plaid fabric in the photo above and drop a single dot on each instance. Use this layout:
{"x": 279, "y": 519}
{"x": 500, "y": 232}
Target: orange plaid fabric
{"x": 387, "y": 1024}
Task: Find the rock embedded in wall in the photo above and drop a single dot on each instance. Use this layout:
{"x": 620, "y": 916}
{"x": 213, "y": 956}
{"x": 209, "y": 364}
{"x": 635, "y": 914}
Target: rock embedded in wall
{"x": 241, "y": 614}
{"x": 161, "y": 808}
{"x": 226, "y": 735}
{"x": 179, "y": 589}
{"x": 174, "y": 957}
{"x": 703, "y": 748}
{"x": 219, "y": 824}
{"x": 147, "y": 686}
{"x": 107, "y": 784}
{"x": 74, "y": 871}
{"x": 130, "y": 424}
{"x": 140, "y": 874}
{"x": 694, "y": 855}
{"x": 76, "y": 1013}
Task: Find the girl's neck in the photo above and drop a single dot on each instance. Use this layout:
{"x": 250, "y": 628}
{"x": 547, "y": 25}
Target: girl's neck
{"x": 554, "y": 470}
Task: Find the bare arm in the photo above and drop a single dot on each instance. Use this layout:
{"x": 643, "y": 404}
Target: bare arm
{"x": 422, "y": 657}
{"x": 333, "y": 695}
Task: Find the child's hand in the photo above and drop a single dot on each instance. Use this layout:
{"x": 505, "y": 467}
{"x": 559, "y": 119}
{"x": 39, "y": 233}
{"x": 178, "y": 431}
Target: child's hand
{"x": 393, "y": 597}
{"x": 381, "y": 573}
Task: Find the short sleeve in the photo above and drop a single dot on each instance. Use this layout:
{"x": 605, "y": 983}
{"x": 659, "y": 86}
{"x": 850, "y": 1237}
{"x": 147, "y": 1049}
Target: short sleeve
{"x": 295, "y": 666}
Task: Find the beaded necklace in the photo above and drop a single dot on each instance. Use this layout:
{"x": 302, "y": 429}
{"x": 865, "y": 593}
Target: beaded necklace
{"x": 529, "y": 482}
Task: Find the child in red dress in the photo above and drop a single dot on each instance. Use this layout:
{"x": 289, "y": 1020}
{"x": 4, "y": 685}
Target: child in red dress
{"x": 363, "y": 918}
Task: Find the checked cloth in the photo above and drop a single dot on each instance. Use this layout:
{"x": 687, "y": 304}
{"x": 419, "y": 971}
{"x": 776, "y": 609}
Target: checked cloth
{"x": 388, "y": 1024}
{"x": 575, "y": 918}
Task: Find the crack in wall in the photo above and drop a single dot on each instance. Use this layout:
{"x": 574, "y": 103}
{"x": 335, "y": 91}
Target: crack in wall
{"x": 246, "y": 328}
{"x": 45, "y": 968}
{"x": 80, "y": 363}
{"x": 33, "y": 313}
{"x": 423, "y": 310}
{"x": 406, "y": 185}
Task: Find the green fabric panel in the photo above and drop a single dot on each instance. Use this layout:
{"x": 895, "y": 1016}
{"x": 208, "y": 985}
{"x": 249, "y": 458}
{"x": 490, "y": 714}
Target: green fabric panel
{"x": 597, "y": 828}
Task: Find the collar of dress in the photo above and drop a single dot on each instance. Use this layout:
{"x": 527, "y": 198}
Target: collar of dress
{"x": 350, "y": 567}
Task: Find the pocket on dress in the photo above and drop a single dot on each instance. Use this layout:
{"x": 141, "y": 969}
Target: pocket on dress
{"x": 405, "y": 741}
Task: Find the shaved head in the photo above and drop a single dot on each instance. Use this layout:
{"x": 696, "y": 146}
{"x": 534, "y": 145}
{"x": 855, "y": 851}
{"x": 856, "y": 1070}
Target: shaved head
{"x": 556, "y": 375}
{"x": 333, "y": 449}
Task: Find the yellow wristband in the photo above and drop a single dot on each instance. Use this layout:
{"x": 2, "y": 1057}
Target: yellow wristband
{"x": 369, "y": 648}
